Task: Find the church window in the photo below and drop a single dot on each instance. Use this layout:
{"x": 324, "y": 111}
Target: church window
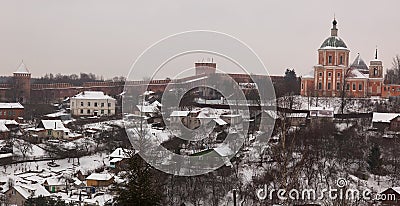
{"x": 375, "y": 72}
{"x": 329, "y": 86}
{"x": 341, "y": 60}
{"x": 302, "y": 86}
{"x": 319, "y": 85}
{"x": 360, "y": 87}
{"x": 348, "y": 87}
{"x": 81, "y": 104}
{"x": 338, "y": 86}
{"x": 329, "y": 74}
{"x": 330, "y": 59}
{"x": 354, "y": 86}
{"x": 320, "y": 74}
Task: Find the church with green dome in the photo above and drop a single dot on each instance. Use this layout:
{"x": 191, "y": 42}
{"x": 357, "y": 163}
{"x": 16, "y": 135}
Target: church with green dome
{"x": 334, "y": 76}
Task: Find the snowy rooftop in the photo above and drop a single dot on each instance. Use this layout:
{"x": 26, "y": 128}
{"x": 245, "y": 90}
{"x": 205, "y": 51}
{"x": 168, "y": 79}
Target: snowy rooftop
{"x": 220, "y": 121}
{"x": 98, "y": 176}
{"x": 32, "y": 190}
{"x": 297, "y": 115}
{"x": 147, "y": 108}
{"x": 224, "y": 150}
{"x": 22, "y": 69}
{"x": 120, "y": 153}
{"x": 272, "y": 114}
{"x": 57, "y": 114}
{"x": 8, "y": 122}
{"x": 92, "y": 95}
{"x": 322, "y": 111}
{"x": 53, "y": 125}
{"x": 383, "y": 117}
{"x": 11, "y": 106}
{"x": 3, "y": 128}
{"x": 321, "y": 108}
{"x": 55, "y": 181}
{"x": 180, "y": 113}
{"x": 356, "y": 74}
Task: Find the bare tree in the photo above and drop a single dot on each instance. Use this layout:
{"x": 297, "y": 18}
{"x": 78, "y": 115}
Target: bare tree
{"x": 393, "y": 74}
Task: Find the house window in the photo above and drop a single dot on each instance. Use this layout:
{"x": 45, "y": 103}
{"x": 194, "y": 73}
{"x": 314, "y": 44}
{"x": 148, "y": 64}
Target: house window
{"x": 384, "y": 88}
{"x": 354, "y": 86}
{"x": 330, "y": 59}
{"x": 319, "y": 85}
{"x": 102, "y": 104}
{"x": 73, "y": 103}
{"x": 109, "y": 111}
{"x": 48, "y": 132}
{"x": 95, "y": 104}
{"x": 88, "y": 104}
{"x": 320, "y": 74}
{"x": 102, "y": 111}
{"x": 81, "y": 111}
{"x": 338, "y": 74}
{"x": 348, "y": 87}
{"x": 329, "y": 86}
{"x": 88, "y": 111}
{"x": 360, "y": 87}
{"x": 302, "y": 86}
{"x": 338, "y": 86}
{"x": 329, "y": 74}
{"x": 81, "y": 104}
{"x": 341, "y": 60}
{"x": 109, "y": 104}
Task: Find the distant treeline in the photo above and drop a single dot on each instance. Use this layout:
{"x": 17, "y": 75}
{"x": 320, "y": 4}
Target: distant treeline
{"x": 74, "y": 79}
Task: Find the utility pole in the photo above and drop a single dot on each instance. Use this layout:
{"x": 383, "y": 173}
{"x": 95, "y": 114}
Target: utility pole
{"x": 234, "y": 197}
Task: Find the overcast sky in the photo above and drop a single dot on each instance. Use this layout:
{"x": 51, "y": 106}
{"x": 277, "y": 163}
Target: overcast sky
{"x": 105, "y": 37}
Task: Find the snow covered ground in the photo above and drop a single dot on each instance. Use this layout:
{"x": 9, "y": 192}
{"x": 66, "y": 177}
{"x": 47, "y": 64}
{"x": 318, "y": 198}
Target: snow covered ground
{"x": 352, "y": 105}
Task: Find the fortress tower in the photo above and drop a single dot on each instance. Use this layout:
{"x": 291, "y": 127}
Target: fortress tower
{"x": 22, "y": 84}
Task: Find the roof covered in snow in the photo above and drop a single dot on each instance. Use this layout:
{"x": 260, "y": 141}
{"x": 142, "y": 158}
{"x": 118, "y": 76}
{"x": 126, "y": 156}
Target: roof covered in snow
{"x": 359, "y": 63}
{"x": 383, "y": 117}
{"x": 32, "y": 190}
{"x": 100, "y": 177}
{"x": 11, "y": 106}
{"x": 54, "y": 181}
{"x": 52, "y": 125}
{"x": 120, "y": 153}
{"x": 180, "y": 113}
{"x": 220, "y": 121}
{"x": 296, "y": 115}
{"x": 147, "y": 108}
{"x": 333, "y": 42}
{"x": 8, "y": 122}
{"x": 272, "y": 114}
{"x": 92, "y": 95}
{"x": 3, "y": 128}
{"x": 356, "y": 74}
{"x": 22, "y": 69}
{"x": 224, "y": 150}
{"x": 322, "y": 112}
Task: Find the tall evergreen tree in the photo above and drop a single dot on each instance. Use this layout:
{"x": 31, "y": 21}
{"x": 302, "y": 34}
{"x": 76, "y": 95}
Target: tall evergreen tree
{"x": 374, "y": 160}
{"x": 142, "y": 186}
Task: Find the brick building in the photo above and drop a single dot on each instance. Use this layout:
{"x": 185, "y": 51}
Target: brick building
{"x": 11, "y": 111}
{"x": 334, "y": 74}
